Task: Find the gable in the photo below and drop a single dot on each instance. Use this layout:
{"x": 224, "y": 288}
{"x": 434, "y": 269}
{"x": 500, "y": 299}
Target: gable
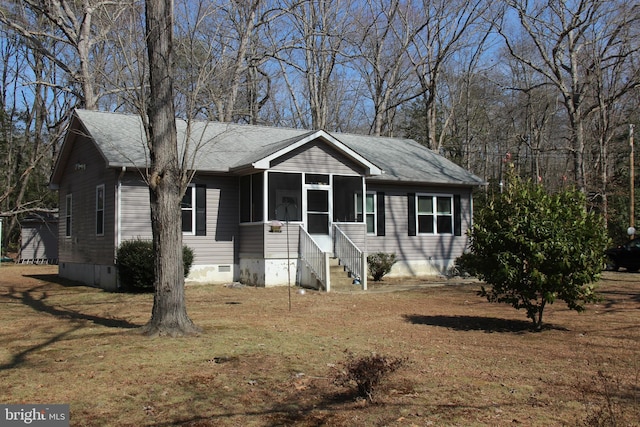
{"x": 317, "y": 156}
{"x": 79, "y": 158}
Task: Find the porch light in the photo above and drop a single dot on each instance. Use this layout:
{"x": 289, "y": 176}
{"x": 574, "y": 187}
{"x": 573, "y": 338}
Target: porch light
{"x": 276, "y": 226}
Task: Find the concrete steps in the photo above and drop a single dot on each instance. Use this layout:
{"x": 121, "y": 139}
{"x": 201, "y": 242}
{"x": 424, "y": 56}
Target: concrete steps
{"x": 340, "y": 279}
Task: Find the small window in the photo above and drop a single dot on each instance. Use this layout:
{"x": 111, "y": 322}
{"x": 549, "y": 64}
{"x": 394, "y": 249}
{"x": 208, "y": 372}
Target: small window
{"x": 188, "y": 210}
{"x": 370, "y": 211}
{"x": 68, "y": 215}
{"x": 316, "y": 178}
{"x": 434, "y": 214}
{"x": 194, "y": 210}
{"x": 100, "y": 210}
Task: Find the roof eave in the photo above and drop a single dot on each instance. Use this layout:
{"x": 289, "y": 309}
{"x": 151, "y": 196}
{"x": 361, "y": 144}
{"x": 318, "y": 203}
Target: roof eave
{"x": 386, "y": 179}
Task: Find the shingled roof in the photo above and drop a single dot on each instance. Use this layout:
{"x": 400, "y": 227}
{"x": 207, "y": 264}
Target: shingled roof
{"x": 227, "y": 147}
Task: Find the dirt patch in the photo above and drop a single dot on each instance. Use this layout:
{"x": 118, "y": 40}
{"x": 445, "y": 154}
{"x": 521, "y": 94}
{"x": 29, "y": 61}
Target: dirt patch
{"x": 258, "y": 364}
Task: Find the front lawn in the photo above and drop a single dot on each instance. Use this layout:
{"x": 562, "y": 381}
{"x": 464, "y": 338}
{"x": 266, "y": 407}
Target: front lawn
{"x": 468, "y": 362}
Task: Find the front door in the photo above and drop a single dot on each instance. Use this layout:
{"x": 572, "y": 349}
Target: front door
{"x": 318, "y": 213}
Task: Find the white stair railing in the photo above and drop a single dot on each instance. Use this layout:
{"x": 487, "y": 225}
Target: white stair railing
{"x": 315, "y": 259}
{"x": 350, "y": 256}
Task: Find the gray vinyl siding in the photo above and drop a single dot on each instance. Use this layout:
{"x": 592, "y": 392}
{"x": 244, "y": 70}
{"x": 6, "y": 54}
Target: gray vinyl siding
{"x": 257, "y": 241}
{"x": 283, "y": 244}
{"x": 252, "y": 239}
{"x": 421, "y": 246}
{"x": 218, "y": 246}
{"x": 85, "y": 169}
{"x": 317, "y": 157}
{"x": 356, "y": 231}
{"x": 135, "y": 210}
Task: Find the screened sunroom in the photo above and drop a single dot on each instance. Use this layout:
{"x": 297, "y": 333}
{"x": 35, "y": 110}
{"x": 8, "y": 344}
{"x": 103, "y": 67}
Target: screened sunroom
{"x": 313, "y": 201}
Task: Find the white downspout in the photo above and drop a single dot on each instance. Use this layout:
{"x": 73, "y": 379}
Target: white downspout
{"x": 118, "y": 211}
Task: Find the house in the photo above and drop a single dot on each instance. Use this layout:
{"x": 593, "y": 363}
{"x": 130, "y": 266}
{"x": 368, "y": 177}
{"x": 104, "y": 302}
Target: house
{"x": 39, "y": 239}
{"x": 265, "y": 204}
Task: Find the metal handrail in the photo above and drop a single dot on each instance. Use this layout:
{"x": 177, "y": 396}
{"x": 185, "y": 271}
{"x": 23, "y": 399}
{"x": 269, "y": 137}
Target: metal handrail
{"x": 350, "y": 256}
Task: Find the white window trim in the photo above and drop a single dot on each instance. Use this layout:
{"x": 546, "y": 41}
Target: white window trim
{"x": 191, "y": 188}
{"x": 434, "y": 197}
{"x": 375, "y": 212}
{"x": 68, "y": 215}
{"x": 98, "y": 188}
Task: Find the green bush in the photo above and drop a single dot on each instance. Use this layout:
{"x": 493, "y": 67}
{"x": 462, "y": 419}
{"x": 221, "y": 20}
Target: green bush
{"x": 532, "y": 247}
{"x": 380, "y": 264}
{"x": 135, "y": 265}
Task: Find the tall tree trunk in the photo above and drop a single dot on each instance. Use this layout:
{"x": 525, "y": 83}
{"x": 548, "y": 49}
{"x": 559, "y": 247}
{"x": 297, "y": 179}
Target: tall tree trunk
{"x": 166, "y": 180}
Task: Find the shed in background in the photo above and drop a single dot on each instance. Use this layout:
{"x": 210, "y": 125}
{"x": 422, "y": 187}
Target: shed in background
{"x": 39, "y": 240}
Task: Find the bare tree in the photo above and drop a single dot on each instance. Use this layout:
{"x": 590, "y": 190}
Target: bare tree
{"x": 32, "y": 113}
{"x": 447, "y": 28}
{"x": 77, "y": 28}
{"x": 219, "y": 54}
{"x": 562, "y": 33}
{"x": 387, "y": 31}
{"x": 167, "y": 180}
{"x": 316, "y": 41}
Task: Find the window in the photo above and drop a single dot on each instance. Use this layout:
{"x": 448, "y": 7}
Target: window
{"x": 369, "y": 215}
{"x": 194, "y": 213}
{"x": 100, "y": 210}
{"x": 68, "y": 215}
{"x": 370, "y": 212}
{"x": 434, "y": 214}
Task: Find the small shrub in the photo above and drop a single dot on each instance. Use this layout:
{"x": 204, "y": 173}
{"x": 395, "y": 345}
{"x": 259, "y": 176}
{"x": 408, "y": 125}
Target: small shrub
{"x": 366, "y": 372}
{"x": 602, "y": 403}
{"x": 463, "y": 266}
{"x": 135, "y": 264}
{"x": 380, "y": 264}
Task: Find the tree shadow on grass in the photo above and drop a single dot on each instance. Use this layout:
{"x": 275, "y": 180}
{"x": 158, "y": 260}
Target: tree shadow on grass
{"x": 475, "y": 323}
{"x": 21, "y": 357}
{"x": 56, "y": 279}
{"x": 40, "y": 304}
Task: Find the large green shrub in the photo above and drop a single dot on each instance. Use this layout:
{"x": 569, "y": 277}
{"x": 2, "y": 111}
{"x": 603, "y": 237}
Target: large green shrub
{"x": 533, "y": 248}
{"x": 380, "y": 264}
{"x": 135, "y": 264}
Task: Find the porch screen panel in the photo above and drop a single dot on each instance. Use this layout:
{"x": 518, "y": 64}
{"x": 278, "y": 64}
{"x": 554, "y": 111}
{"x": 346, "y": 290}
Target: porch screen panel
{"x": 347, "y": 198}
{"x": 285, "y": 196}
{"x": 251, "y": 198}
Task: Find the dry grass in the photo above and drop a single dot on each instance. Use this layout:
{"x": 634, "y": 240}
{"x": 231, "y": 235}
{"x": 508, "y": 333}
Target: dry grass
{"x": 259, "y": 364}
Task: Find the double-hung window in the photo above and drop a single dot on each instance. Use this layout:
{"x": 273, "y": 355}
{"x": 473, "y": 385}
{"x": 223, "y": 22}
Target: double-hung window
{"x": 100, "y": 210}
{"x": 188, "y": 210}
{"x": 68, "y": 215}
{"x": 373, "y": 215}
{"x": 194, "y": 213}
{"x": 434, "y": 214}
{"x": 370, "y": 212}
